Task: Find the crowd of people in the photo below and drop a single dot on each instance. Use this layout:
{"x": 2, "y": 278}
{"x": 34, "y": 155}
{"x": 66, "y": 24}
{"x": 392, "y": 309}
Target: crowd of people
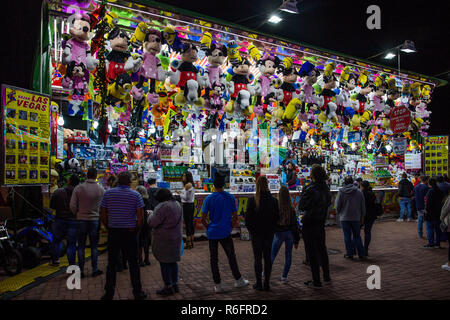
{"x": 429, "y": 197}
{"x": 138, "y": 219}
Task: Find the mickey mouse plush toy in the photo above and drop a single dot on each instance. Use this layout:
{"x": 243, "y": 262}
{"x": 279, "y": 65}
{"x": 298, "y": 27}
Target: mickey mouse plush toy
{"x": 238, "y": 88}
{"x": 186, "y": 76}
{"x": 119, "y": 59}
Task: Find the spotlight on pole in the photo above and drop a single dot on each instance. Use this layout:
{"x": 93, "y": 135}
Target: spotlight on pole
{"x": 275, "y": 19}
{"x": 389, "y": 55}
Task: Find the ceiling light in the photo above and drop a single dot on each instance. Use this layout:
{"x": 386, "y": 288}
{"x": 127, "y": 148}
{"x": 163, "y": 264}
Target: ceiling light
{"x": 95, "y": 124}
{"x": 408, "y": 47}
{"x": 60, "y": 121}
{"x": 389, "y": 55}
{"x": 289, "y": 6}
{"x": 275, "y": 19}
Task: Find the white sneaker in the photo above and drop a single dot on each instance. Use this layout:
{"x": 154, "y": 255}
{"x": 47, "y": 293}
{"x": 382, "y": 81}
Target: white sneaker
{"x": 409, "y": 220}
{"x": 218, "y": 288}
{"x": 283, "y": 279}
{"x": 446, "y": 267}
{"x": 399, "y": 220}
{"x": 241, "y": 283}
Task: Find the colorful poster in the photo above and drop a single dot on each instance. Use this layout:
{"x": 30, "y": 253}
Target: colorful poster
{"x": 399, "y": 146}
{"x": 413, "y": 161}
{"x": 25, "y": 141}
{"x": 436, "y": 155}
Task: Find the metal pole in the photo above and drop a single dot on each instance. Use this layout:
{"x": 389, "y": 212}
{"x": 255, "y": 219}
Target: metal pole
{"x": 40, "y": 48}
{"x": 398, "y": 59}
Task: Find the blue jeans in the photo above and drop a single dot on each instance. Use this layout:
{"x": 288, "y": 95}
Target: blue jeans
{"x": 68, "y": 229}
{"x": 288, "y": 239}
{"x": 352, "y": 237}
{"x": 169, "y": 272}
{"x": 405, "y": 203}
{"x": 434, "y": 233}
{"x": 88, "y": 228}
{"x": 420, "y": 220}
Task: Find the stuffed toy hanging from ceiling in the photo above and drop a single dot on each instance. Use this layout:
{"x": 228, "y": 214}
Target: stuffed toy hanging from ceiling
{"x": 77, "y": 49}
{"x": 171, "y": 38}
{"x": 267, "y": 91}
{"x": 151, "y": 69}
{"x": 240, "y": 89}
{"x": 119, "y": 60}
{"x": 185, "y": 75}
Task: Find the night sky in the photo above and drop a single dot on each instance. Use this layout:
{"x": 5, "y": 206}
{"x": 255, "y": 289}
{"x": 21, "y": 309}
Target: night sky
{"x": 335, "y": 25}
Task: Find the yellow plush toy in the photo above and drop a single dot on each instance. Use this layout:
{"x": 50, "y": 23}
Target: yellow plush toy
{"x": 139, "y": 35}
{"x": 291, "y": 109}
{"x": 206, "y": 40}
{"x": 254, "y": 52}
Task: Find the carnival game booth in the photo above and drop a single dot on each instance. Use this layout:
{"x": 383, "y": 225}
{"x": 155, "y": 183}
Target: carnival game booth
{"x": 158, "y": 90}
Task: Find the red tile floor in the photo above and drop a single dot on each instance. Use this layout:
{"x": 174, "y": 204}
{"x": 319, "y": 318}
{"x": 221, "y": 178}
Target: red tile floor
{"x": 408, "y": 271}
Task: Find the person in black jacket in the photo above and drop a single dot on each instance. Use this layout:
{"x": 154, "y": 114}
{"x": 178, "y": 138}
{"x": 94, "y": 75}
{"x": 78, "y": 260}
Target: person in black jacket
{"x": 314, "y": 203}
{"x": 405, "y": 192}
{"x": 433, "y": 209}
{"x": 286, "y": 231}
{"x": 261, "y": 218}
{"x": 371, "y": 213}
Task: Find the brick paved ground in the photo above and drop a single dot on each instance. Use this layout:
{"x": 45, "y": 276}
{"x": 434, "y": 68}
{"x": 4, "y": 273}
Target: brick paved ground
{"x": 407, "y": 272}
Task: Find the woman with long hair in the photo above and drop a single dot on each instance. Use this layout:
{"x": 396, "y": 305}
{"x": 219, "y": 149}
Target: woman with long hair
{"x": 286, "y": 231}
{"x": 314, "y": 202}
{"x": 261, "y": 217}
{"x": 145, "y": 233}
{"x": 187, "y": 196}
{"x": 433, "y": 209}
{"x": 166, "y": 222}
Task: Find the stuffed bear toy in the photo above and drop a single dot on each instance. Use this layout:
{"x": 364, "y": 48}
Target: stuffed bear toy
{"x": 119, "y": 60}
{"x": 77, "y": 49}
{"x": 151, "y": 68}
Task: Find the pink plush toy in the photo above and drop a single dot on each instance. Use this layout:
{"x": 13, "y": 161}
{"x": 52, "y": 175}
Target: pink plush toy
{"x": 77, "y": 49}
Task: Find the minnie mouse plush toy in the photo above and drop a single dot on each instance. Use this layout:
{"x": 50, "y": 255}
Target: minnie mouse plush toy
{"x": 151, "y": 67}
{"x": 77, "y": 49}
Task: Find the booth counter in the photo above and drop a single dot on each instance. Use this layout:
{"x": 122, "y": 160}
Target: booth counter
{"x": 390, "y": 204}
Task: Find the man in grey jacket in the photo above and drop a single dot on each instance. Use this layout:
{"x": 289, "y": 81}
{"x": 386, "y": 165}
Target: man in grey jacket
{"x": 85, "y": 203}
{"x": 350, "y": 206}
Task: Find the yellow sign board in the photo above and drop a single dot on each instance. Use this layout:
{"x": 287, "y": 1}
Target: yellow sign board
{"x": 436, "y": 155}
{"x": 25, "y": 137}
